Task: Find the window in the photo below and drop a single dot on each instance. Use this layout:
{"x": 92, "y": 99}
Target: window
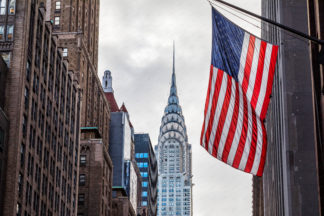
{"x": 83, "y": 160}
{"x": 144, "y": 194}
{"x": 145, "y": 164}
{"x": 57, "y": 21}
{"x": 137, "y": 155}
{"x": 82, "y": 179}
{"x": 22, "y": 155}
{"x": 3, "y": 7}
{"x": 144, "y": 203}
{"x": 144, "y": 184}
{"x": 1, "y": 32}
{"x": 26, "y": 98}
{"x": 18, "y": 209}
{"x": 145, "y": 155}
{"x": 65, "y": 52}
{"x": 20, "y": 184}
{"x": 10, "y": 29}
{"x": 12, "y": 7}
{"x": 144, "y": 174}
{"x": 58, "y": 5}
{"x": 81, "y": 199}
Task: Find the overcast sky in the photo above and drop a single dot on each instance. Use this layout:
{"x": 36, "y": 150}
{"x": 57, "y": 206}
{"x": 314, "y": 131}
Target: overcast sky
{"x": 135, "y": 44}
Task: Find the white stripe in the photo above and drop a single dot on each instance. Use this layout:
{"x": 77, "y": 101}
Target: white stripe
{"x": 218, "y": 110}
{"x": 211, "y": 94}
{"x": 238, "y": 131}
{"x": 228, "y": 121}
{"x": 258, "y": 147}
{"x": 254, "y": 69}
{"x": 246, "y": 151}
{"x": 263, "y": 87}
{"x": 245, "y": 47}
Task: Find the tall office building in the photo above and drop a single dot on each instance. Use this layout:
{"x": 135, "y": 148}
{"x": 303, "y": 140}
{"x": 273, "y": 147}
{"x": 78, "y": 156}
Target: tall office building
{"x": 76, "y": 25}
{"x": 292, "y": 180}
{"x": 147, "y": 163}
{"x": 174, "y": 159}
{"x": 42, "y": 104}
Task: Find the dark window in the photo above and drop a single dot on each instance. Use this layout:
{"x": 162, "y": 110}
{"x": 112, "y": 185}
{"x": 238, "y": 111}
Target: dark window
{"x": 24, "y": 125}
{"x": 20, "y": 184}
{"x": 22, "y": 155}
{"x": 18, "y": 209}
{"x": 81, "y": 199}
{"x": 83, "y": 160}
{"x": 82, "y": 179}
{"x": 27, "y": 68}
{"x": 2, "y": 139}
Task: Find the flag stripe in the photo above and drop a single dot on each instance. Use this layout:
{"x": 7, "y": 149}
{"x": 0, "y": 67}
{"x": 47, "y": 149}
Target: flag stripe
{"x": 248, "y": 64}
{"x": 223, "y": 114}
{"x": 207, "y": 101}
{"x": 270, "y": 81}
{"x": 213, "y": 107}
{"x": 264, "y": 151}
{"x": 220, "y": 102}
{"x": 259, "y": 73}
{"x": 207, "y": 116}
{"x": 264, "y": 82}
{"x": 258, "y": 150}
{"x": 253, "y": 71}
{"x": 240, "y": 148}
{"x": 233, "y": 125}
{"x": 246, "y": 42}
{"x": 248, "y": 140}
{"x": 228, "y": 119}
{"x": 238, "y": 130}
{"x": 250, "y": 160}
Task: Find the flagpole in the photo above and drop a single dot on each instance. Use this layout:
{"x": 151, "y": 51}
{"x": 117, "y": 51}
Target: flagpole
{"x": 314, "y": 39}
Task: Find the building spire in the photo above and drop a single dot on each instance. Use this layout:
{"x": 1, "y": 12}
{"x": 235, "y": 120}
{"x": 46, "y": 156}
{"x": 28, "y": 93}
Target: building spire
{"x": 173, "y": 101}
{"x": 173, "y": 90}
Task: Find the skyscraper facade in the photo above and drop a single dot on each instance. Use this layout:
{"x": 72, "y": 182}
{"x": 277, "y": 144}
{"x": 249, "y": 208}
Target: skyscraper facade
{"x": 42, "y": 103}
{"x": 174, "y": 159}
{"x": 293, "y": 171}
{"x": 147, "y": 163}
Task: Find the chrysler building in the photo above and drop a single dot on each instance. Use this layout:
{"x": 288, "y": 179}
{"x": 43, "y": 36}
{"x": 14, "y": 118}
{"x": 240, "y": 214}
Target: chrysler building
{"x": 174, "y": 159}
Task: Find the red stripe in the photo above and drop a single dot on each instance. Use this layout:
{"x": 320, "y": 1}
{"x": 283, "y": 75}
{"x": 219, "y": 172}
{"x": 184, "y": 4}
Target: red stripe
{"x": 270, "y": 81}
{"x": 222, "y": 117}
{"x": 248, "y": 64}
{"x": 231, "y": 131}
{"x": 258, "y": 78}
{"x": 264, "y": 152}
{"x": 214, "y": 103}
{"x": 240, "y": 147}
{"x": 207, "y": 102}
{"x": 254, "y": 141}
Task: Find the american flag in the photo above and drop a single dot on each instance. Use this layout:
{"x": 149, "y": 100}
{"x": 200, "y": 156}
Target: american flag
{"x": 240, "y": 83}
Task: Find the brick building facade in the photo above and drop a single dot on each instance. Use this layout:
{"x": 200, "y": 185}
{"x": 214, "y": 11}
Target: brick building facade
{"x": 42, "y": 102}
{"x": 76, "y": 24}
{"x": 95, "y": 181}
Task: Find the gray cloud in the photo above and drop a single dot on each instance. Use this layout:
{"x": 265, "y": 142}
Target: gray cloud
{"x": 136, "y": 45}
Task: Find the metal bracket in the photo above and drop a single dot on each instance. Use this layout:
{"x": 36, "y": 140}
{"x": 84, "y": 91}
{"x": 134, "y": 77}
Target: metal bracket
{"x": 321, "y": 56}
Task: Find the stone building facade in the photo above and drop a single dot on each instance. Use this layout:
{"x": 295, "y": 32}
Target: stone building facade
{"x": 293, "y": 176}
{"x": 4, "y": 127}
{"x": 42, "y": 103}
